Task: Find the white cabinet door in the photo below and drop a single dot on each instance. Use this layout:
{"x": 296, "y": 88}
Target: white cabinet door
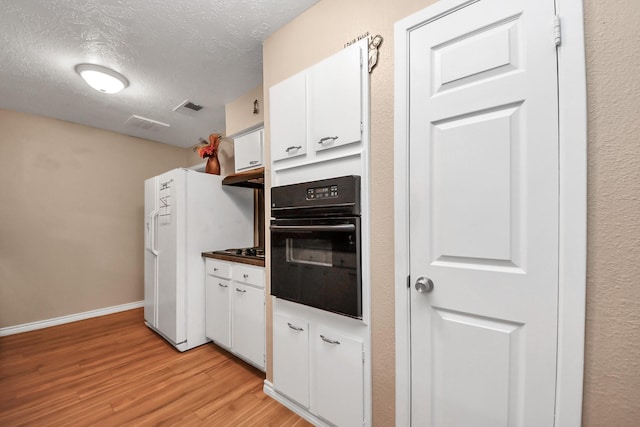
{"x": 248, "y": 323}
{"x": 287, "y": 103}
{"x": 248, "y": 151}
{"x": 291, "y": 358}
{"x": 335, "y": 100}
{"x": 217, "y": 326}
{"x": 337, "y": 378}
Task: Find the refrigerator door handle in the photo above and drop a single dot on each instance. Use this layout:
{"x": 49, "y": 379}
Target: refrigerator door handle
{"x": 152, "y": 239}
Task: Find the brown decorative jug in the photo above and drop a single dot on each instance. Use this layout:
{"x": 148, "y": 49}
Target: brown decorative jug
{"x": 213, "y": 165}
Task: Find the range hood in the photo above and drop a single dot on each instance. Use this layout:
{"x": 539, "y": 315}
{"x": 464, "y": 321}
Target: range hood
{"x": 251, "y": 179}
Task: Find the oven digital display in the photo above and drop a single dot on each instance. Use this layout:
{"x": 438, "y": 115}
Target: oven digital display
{"x": 328, "y": 192}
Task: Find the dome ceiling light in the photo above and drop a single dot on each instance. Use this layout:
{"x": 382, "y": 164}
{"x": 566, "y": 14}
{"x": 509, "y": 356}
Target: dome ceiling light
{"x": 101, "y": 78}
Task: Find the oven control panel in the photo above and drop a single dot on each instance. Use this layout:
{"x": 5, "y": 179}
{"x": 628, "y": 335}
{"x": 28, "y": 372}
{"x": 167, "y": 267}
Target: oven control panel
{"x": 339, "y": 195}
{"x": 322, "y": 192}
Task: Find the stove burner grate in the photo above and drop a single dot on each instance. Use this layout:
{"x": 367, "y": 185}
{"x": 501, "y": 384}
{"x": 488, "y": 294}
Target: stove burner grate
{"x": 252, "y": 252}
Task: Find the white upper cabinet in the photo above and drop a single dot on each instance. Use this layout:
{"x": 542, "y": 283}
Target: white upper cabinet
{"x": 248, "y": 151}
{"x": 288, "y": 118}
{"x": 319, "y": 108}
{"x": 335, "y": 97}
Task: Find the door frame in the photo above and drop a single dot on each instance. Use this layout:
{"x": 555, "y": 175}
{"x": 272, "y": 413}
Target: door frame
{"x": 572, "y": 104}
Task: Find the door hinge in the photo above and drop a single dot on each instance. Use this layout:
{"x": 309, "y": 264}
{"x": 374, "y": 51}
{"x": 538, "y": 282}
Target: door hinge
{"x": 363, "y": 356}
{"x": 557, "y": 30}
{"x": 408, "y": 282}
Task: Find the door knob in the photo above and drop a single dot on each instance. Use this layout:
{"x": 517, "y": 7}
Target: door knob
{"x": 424, "y": 285}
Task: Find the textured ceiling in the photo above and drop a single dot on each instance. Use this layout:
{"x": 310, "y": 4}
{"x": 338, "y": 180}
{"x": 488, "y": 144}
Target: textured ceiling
{"x": 207, "y": 51}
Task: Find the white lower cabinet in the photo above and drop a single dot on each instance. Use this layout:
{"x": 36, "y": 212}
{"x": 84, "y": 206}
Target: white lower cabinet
{"x": 247, "y": 319}
{"x": 218, "y": 306}
{"x": 319, "y": 368}
{"x": 291, "y": 358}
{"x": 337, "y": 378}
{"x": 234, "y": 304}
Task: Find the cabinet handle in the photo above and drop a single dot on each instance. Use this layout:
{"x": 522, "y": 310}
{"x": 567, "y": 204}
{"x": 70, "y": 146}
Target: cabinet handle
{"x": 295, "y": 328}
{"x": 327, "y": 138}
{"x": 241, "y": 290}
{"x": 215, "y": 268}
{"x": 293, "y": 147}
{"x": 246, "y": 276}
{"x": 222, "y": 285}
{"x": 253, "y": 162}
{"x": 330, "y": 341}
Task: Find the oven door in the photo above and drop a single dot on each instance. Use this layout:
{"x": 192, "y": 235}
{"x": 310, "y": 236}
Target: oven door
{"x": 316, "y": 262}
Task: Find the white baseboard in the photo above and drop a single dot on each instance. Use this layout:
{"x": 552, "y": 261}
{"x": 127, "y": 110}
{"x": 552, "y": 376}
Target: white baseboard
{"x": 41, "y": 324}
{"x": 294, "y": 407}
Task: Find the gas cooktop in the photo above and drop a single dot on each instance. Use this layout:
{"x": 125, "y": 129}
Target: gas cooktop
{"x": 248, "y": 252}
{"x": 253, "y": 256}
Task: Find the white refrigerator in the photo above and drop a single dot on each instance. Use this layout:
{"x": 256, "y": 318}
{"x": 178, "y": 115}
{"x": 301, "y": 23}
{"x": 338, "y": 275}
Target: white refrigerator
{"x": 187, "y": 213}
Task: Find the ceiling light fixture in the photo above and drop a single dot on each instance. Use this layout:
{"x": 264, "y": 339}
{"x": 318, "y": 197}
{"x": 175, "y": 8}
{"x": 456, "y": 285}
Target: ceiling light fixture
{"x": 101, "y": 78}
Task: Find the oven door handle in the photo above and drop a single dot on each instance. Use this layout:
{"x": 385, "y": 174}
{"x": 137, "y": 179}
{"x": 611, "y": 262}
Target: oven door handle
{"x": 343, "y": 228}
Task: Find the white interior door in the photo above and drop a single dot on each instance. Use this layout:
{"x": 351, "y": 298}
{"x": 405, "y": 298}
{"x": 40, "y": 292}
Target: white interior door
{"x": 484, "y": 215}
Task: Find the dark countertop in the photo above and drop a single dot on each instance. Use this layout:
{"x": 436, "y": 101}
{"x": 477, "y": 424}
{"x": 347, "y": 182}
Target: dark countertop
{"x": 235, "y": 258}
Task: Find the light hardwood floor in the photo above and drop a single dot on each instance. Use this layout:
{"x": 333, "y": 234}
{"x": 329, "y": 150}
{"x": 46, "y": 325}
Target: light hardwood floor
{"x": 114, "y": 371}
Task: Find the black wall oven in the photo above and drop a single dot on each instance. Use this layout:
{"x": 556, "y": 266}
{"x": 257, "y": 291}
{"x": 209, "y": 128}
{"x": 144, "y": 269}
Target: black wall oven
{"x": 315, "y": 244}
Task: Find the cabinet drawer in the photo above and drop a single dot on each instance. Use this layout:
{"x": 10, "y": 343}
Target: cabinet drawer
{"x": 250, "y": 275}
{"x": 218, "y": 268}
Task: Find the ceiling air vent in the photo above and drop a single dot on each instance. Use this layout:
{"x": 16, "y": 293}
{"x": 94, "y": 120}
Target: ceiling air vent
{"x": 145, "y": 123}
{"x": 187, "y": 107}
